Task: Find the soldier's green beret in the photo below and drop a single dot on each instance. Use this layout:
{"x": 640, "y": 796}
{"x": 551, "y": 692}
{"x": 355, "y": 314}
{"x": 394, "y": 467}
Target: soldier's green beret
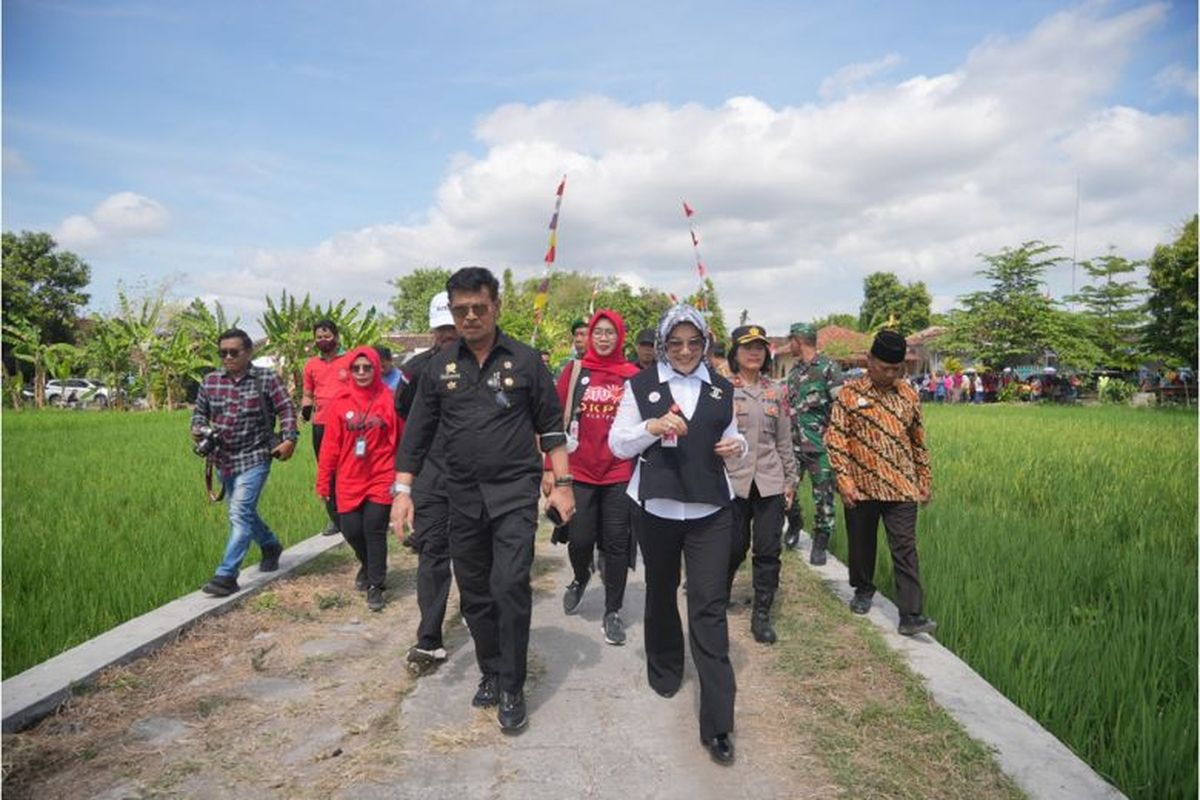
{"x": 804, "y": 330}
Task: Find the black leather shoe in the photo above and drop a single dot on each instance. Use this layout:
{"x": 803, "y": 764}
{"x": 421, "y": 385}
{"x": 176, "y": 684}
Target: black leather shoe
{"x": 360, "y": 580}
{"x": 572, "y": 595}
{"x": 488, "y": 692}
{"x": 270, "y": 557}
{"x": 221, "y": 586}
{"x": 512, "y": 716}
{"x": 861, "y": 603}
{"x": 912, "y": 624}
{"x": 331, "y": 530}
{"x": 720, "y": 748}
{"x": 667, "y": 693}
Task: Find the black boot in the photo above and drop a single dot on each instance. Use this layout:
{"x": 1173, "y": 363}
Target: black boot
{"x": 760, "y": 623}
{"x": 820, "y": 547}
{"x": 795, "y": 526}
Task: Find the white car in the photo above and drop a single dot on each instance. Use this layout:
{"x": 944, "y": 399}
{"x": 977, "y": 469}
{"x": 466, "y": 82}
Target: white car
{"x": 73, "y": 391}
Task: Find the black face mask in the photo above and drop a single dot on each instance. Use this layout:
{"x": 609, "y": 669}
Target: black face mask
{"x": 327, "y": 345}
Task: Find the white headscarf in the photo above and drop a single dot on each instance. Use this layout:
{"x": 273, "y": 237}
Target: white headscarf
{"x": 673, "y": 316}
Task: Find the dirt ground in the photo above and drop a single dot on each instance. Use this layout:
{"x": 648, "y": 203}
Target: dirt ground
{"x": 300, "y": 693}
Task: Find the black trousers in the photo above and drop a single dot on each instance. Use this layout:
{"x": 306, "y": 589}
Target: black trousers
{"x": 704, "y": 546}
{"x": 862, "y": 535}
{"x": 330, "y": 504}
{"x": 492, "y": 558}
{"x": 431, "y": 530}
{"x": 759, "y": 520}
{"x": 602, "y": 517}
{"x": 365, "y": 529}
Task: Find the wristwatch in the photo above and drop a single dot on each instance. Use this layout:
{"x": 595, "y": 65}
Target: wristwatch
{"x": 401, "y": 488}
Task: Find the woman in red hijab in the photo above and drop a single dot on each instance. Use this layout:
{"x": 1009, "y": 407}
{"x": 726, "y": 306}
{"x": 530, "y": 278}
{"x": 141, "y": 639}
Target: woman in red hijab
{"x": 361, "y": 432}
{"x": 590, "y": 391}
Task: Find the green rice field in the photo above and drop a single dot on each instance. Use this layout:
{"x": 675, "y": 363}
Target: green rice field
{"x": 1058, "y": 556}
{"x": 105, "y": 517}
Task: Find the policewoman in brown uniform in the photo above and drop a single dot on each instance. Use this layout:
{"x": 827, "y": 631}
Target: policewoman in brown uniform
{"x": 676, "y": 418}
{"x": 765, "y": 479}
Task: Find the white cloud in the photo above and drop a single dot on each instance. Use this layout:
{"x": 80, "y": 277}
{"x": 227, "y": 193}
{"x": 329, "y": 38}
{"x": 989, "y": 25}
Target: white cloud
{"x": 126, "y": 213}
{"x": 13, "y": 161}
{"x": 1176, "y": 78}
{"x": 119, "y": 217}
{"x": 851, "y": 77}
{"x": 795, "y": 205}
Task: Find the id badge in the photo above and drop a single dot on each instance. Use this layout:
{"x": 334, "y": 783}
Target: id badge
{"x": 670, "y": 439}
{"x": 360, "y": 447}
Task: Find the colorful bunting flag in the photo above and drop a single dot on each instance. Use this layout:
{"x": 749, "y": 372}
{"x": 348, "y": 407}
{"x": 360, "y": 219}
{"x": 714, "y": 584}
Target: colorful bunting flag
{"x": 543, "y": 293}
{"x": 689, "y": 212}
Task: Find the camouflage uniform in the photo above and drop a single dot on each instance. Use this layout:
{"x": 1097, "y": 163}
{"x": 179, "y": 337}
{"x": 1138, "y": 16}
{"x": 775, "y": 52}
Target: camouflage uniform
{"x": 811, "y": 389}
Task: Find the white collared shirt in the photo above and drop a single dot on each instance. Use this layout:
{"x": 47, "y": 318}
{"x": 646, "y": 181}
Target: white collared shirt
{"x": 628, "y": 437}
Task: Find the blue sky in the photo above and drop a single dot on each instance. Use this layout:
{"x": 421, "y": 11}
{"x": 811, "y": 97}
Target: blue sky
{"x": 241, "y": 148}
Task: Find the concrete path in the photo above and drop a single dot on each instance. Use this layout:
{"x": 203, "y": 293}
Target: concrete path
{"x": 596, "y": 728}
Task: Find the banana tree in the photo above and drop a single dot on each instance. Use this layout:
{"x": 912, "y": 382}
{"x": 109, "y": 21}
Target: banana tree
{"x": 142, "y": 330}
{"x": 107, "y": 352}
{"x": 61, "y": 359}
{"x": 176, "y": 359}
{"x": 27, "y": 344}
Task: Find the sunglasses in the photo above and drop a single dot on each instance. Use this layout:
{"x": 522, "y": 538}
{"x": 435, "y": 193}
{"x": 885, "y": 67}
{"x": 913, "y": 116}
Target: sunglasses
{"x": 675, "y": 345}
{"x": 230, "y": 353}
{"x": 361, "y": 368}
{"x": 475, "y": 309}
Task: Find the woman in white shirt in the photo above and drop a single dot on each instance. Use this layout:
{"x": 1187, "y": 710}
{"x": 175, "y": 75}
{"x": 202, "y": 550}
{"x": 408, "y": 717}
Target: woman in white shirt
{"x": 676, "y": 418}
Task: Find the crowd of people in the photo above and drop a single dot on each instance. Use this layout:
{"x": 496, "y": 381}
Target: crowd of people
{"x": 685, "y": 451}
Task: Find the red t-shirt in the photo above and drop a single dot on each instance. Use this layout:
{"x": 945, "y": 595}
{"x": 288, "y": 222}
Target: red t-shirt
{"x": 370, "y": 476}
{"x": 324, "y": 380}
{"x": 592, "y": 462}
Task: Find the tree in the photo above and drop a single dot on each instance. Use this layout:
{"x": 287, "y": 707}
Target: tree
{"x": 25, "y": 338}
{"x": 1171, "y": 333}
{"x": 1112, "y": 310}
{"x": 889, "y": 303}
{"x": 841, "y": 320}
{"x": 42, "y": 287}
{"x": 107, "y": 352}
{"x": 1013, "y": 322}
{"x": 288, "y": 325}
{"x": 410, "y": 304}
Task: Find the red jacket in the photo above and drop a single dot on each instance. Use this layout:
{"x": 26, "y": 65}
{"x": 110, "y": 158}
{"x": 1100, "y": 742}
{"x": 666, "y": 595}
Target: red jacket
{"x": 370, "y": 415}
{"x": 592, "y": 462}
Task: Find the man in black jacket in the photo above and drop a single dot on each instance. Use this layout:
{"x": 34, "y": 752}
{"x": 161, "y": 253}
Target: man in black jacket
{"x": 493, "y": 402}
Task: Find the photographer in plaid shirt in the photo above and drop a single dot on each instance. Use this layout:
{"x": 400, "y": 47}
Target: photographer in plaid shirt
{"x": 239, "y": 403}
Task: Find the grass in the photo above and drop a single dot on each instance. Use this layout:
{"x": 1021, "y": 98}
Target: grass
{"x": 1059, "y": 558}
{"x": 105, "y": 518}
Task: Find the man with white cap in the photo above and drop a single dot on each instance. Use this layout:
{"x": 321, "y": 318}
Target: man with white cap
{"x": 432, "y": 506}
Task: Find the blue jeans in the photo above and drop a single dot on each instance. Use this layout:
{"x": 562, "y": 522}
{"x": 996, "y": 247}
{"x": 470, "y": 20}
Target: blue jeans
{"x": 243, "y": 489}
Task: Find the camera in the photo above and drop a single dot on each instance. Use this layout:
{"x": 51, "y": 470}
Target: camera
{"x": 208, "y": 443}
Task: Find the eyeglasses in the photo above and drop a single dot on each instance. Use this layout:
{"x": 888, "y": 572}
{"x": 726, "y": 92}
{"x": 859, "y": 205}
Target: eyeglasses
{"x": 230, "y": 353}
{"x": 598, "y": 333}
{"x": 475, "y": 309}
{"x": 675, "y": 345}
{"x": 361, "y": 368}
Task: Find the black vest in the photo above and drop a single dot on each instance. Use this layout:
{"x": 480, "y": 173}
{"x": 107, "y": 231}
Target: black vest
{"x": 690, "y": 472}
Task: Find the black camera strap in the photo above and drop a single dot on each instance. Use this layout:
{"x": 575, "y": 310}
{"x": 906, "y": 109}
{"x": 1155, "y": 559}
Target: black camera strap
{"x": 218, "y": 496}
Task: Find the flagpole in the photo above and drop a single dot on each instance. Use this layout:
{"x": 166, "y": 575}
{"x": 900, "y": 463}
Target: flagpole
{"x": 702, "y": 302}
{"x": 543, "y": 292}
